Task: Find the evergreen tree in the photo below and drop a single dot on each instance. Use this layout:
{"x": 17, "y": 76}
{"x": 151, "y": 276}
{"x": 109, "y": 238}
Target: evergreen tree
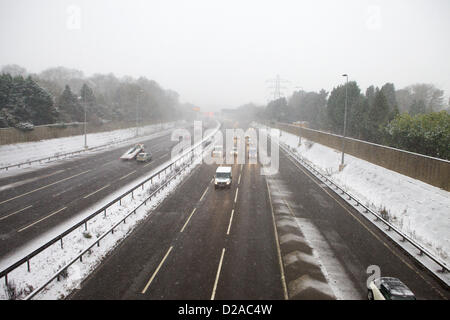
{"x": 70, "y": 107}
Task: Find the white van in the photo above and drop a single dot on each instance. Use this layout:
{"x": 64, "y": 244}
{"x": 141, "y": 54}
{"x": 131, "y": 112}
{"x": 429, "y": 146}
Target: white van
{"x": 223, "y": 177}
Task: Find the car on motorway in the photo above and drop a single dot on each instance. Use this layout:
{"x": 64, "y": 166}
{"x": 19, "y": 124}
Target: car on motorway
{"x": 133, "y": 152}
{"x": 217, "y": 151}
{"x": 223, "y": 177}
{"x": 144, "y": 157}
{"x": 252, "y": 153}
{"x": 387, "y": 288}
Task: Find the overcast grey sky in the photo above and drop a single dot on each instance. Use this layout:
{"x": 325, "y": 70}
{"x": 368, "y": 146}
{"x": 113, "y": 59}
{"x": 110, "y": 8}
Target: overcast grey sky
{"x": 221, "y": 53}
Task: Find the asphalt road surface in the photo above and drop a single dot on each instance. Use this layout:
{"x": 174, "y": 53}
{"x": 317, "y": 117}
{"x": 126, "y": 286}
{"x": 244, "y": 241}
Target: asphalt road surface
{"x": 36, "y": 201}
{"x": 284, "y": 236}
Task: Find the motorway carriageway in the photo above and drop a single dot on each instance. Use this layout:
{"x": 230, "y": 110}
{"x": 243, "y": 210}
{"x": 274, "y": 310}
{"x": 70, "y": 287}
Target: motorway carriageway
{"x": 37, "y": 201}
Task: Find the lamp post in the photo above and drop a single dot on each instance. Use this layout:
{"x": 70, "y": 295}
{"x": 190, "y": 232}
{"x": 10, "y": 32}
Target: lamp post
{"x": 83, "y": 98}
{"x": 137, "y": 104}
{"x": 345, "y": 124}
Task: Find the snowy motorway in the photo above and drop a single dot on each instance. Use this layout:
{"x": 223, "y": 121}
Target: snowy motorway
{"x": 36, "y": 201}
{"x": 268, "y": 237}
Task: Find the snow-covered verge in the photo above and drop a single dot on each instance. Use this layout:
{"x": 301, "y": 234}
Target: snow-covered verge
{"x": 28, "y": 151}
{"x": 418, "y": 209}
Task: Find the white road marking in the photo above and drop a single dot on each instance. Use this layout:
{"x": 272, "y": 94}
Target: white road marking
{"x": 127, "y": 175}
{"x": 51, "y": 184}
{"x": 280, "y": 261}
{"x": 235, "y": 197}
{"x": 217, "y": 275}
{"x": 204, "y": 193}
{"x": 156, "y": 271}
{"x": 11, "y": 214}
{"x": 19, "y": 183}
{"x": 90, "y": 194}
{"x": 151, "y": 162}
{"x": 187, "y": 221}
{"x": 40, "y": 220}
{"x": 239, "y": 180}
{"x": 231, "y": 219}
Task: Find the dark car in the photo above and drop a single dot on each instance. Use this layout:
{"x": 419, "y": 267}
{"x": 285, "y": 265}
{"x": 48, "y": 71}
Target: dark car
{"x": 387, "y": 288}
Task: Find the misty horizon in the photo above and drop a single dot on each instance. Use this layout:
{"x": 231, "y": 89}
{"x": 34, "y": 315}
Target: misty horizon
{"x": 218, "y": 55}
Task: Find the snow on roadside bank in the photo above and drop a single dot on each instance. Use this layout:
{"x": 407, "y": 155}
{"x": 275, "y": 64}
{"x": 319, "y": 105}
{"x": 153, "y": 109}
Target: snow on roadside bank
{"x": 420, "y": 210}
{"x": 27, "y": 151}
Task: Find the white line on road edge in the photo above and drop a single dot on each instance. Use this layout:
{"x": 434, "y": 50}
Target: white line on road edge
{"x": 280, "y": 261}
{"x": 11, "y": 214}
{"x": 204, "y": 193}
{"x": 217, "y": 275}
{"x": 128, "y": 175}
{"x": 187, "y": 221}
{"x": 235, "y": 197}
{"x": 44, "y": 186}
{"x": 231, "y": 219}
{"x": 51, "y": 214}
{"x": 157, "y": 269}
{"x": 90, "y": 194}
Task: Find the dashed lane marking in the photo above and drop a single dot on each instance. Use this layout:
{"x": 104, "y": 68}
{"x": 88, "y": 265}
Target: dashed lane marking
{"x": 40, "y": 220}
{"x": 127, "y": 175}
{"x": 90, "y": 194}
{"x": 213, "y": 295}
{"x": 157, "y": 269}
{"x": 46, "y": 186}
{"x": 231, "y": 220}
{"x": 11, "y": 214}
{"x": 187, "y": 221}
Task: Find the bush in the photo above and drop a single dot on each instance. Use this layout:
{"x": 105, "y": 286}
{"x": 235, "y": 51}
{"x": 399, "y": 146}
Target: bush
{"x": 427, "y": 134}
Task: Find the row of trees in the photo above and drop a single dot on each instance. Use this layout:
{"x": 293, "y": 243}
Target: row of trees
{"x": 61, "y": 94}
{"x": 414, "y": 118}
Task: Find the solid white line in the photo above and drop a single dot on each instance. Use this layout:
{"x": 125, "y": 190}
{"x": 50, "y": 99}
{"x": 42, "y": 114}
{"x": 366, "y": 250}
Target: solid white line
{"x": 36, "y": 222}
{"x": 9, "y": 215}
{"x": 187, "y": 221}
{"x": 231, "y": 219}
{"x": 156, "y": 271}
{"x": 217, "y": 275}
{"x": 280, "y": 261}
{"x": 204, "y": 193}
{"x": 127, "y": 175}
{"x": 235, "y": 197}
{"x": 90, "y": 194}
{"x": 44, "y": 187}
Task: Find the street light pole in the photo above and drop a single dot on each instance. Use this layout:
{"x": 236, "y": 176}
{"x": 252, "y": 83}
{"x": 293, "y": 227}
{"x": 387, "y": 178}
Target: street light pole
{"x": 85, "y": 124}
{"x": 137, "y": 104}
{"x": 345, "y": 124}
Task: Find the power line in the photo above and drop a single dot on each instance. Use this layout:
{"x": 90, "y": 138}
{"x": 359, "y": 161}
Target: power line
{"x": 277, "y": 87}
